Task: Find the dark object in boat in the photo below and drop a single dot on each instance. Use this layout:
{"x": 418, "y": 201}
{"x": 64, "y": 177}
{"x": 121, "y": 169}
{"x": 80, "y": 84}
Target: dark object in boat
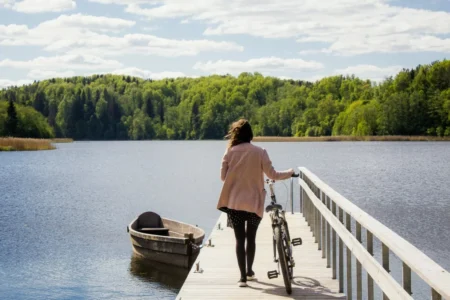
{"x": 164, "y": 240}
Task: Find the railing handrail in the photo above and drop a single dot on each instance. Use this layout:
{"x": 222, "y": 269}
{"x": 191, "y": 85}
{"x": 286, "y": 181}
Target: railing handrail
{"x": 432, "y": 273}
{"x": 388, "y": 284}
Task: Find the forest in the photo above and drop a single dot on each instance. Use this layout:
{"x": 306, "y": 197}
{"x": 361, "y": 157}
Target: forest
{"x": 113, "y": 107}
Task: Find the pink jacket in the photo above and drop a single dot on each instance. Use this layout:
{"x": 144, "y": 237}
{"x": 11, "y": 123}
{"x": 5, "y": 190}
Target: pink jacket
{"x": 243, "y": 169}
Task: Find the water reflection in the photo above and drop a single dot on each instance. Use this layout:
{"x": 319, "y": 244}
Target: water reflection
{"x": 149, "y": 271}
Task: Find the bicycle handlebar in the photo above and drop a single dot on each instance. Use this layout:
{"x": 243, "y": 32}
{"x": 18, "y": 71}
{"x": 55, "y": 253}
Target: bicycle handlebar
{"x": 273, "y": 181}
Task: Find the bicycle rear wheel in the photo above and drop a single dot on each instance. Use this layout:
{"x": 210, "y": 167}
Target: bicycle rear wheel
{"x": 288, "y": 249}
{"x": 282, "y": 259}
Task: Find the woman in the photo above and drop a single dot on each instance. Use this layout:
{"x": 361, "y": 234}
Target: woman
{"x": 243, "y": 194}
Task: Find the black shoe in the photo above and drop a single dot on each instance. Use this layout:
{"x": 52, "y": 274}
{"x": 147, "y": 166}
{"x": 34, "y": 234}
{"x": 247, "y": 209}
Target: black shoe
{"x": 251, "y": 276}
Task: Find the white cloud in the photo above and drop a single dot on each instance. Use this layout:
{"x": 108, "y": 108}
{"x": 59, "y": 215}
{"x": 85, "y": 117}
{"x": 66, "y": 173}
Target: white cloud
{"x": 4, "y": 83}
{"x": 343, "y": 24}
{"x": 38, "y": 6}
{"x": 147, "y": 74}
{"x": 352, "y": 45}
{"x": 60, "y": 63}
{"x": 39, "y": 74}
{"x": 6, "y": 4}
{"x": 141, "y": 44}
{"x": 371, "y": 72}
{"x": 170, "y": 47}
{"x": 65, "y": 30}
{"x": 87, "y": 22}
{"x": 150, "y": 28}
{"x": 82, "y": 34}
{"x": 265, "y": 65}
{"x": 123, "y": 2}
{"x": 12, "y": 30}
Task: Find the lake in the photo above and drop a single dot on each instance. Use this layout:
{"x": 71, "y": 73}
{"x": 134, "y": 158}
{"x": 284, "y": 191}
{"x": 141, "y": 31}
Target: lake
{"x": 64, "y": 213}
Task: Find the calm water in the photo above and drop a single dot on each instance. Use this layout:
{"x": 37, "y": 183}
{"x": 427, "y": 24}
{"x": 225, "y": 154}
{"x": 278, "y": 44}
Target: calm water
{"x": 63, "y": 213}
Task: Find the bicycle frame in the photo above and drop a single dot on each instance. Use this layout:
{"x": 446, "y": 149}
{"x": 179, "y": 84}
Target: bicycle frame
{"x": 277, "y": 216}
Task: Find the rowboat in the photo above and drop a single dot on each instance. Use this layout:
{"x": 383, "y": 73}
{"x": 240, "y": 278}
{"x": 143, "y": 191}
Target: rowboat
{"x": 164, "y": 240}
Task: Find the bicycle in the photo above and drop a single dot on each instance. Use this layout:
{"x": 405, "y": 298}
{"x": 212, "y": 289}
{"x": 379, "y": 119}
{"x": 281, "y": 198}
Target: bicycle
{"x": 281, "y": 240}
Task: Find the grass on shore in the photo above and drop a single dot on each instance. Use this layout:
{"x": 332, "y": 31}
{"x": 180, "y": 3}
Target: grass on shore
{"x": 343, "y": 138}
{"x": 25, "y": 144}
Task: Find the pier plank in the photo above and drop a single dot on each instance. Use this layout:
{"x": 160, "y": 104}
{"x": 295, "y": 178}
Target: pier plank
{"x": 220, "y": 272}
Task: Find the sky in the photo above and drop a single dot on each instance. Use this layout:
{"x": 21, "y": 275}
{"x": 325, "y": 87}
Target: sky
{"x": 298, "y": 39}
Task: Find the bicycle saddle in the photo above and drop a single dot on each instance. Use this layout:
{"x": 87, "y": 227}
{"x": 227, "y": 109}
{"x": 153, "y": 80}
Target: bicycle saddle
{"x": 271, "y": 207}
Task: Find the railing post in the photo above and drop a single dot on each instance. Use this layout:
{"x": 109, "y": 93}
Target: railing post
{"x": 312, "y": 215}
{"x": 301, "y": 195}
{"x": 358, "y": 266}
{"x": 370, "y": 292}
{"x": 311, "y": 212}
{"x": 316, "y": 220}
{"x": 341, "y": 255}
{"x": 307, "y": 209}
{"x": 317, "y": 226}
{"x": 291, "y": 194}
{"x": 407, "y": 278}
{"x": 323, "y": 227}
{"x": 319, "y": 220}
{"x": 385, "y": 261}
{"x": 435, "y": 295}
{"x": 328, "y": 236}
{"x": 334, "y": 244}
{"x": 349, "y": 261}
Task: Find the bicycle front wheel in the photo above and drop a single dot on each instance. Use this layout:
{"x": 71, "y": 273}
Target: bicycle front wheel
{"x": 282, "y": 259}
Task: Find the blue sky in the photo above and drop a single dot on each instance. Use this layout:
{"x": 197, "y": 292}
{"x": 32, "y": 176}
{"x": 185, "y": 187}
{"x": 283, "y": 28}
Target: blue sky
{"x": 300, "y": 39}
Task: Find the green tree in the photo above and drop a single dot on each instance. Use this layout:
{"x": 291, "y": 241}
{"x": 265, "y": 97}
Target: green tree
{"x": 415, "y": 101}
{"x": 11, "y": 120}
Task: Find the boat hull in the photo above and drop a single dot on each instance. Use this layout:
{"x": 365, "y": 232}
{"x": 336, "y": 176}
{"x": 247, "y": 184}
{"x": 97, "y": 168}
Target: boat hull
{"x": 180, "y": 248}
{"x": 178, "y": 260}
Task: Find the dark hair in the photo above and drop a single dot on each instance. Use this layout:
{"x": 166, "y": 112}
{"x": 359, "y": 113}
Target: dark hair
{"x": 240, "y": 132}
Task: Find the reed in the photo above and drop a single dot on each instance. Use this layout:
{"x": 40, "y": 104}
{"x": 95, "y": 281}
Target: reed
{"x": 344, "y": 138}
{"x": 62, "y": 140}
{"x": 25, "y": 144}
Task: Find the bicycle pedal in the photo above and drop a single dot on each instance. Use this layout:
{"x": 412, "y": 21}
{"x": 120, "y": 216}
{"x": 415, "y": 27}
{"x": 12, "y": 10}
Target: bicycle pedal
{"x": 297, "y": 242}
{"x": 272, "y": 274}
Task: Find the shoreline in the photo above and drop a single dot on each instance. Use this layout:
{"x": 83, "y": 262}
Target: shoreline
{"x": 31, "y": 144}
{"x": 374, "y": 138}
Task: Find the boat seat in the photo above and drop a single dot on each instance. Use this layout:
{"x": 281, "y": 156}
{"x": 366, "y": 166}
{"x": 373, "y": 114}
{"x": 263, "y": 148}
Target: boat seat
{"x": 156, "y": 231}
{"x": 151, "y": 223}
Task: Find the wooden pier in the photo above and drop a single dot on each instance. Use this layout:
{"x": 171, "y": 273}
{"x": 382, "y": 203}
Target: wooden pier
{"x": 220, "y": 271}
{"x": 331, "y": 228}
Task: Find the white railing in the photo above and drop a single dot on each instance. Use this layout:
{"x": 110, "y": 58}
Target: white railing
{"x": 324, "y": 210}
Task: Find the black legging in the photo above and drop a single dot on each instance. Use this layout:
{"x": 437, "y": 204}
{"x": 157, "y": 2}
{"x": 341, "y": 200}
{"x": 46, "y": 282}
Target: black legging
{"x": 239, "y": 232}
